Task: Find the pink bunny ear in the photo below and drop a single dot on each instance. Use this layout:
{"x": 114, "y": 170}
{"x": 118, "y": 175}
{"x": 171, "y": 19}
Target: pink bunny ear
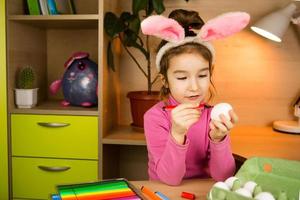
{"x": 163, "y": 27}
{"x": 224, "y": 25}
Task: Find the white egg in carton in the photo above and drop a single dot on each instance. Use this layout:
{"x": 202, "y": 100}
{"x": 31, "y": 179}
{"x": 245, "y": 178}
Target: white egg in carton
{"x": 250, "y": 190}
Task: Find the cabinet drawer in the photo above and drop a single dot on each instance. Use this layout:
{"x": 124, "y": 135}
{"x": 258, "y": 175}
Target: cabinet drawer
{"x": 31, "y": 178}
{"x": 54, "y": 136}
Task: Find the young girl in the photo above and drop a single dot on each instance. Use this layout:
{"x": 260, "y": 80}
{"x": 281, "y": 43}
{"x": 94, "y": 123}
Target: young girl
{"x": 182, "y": 141}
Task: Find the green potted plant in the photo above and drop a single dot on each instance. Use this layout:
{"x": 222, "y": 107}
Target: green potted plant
{"x": 26, "y": 93}
{"x": 126, "y": 28}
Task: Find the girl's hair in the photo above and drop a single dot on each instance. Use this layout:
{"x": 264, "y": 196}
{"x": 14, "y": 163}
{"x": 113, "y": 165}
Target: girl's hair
{"x": 189, "y": 20}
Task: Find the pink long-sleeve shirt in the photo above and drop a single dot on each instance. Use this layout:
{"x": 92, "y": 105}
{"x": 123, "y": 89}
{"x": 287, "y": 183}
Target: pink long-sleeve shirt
{"x": 199, "y": 157}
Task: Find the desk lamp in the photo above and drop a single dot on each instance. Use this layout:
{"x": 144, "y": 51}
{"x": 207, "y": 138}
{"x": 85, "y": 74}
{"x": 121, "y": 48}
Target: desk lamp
{"x": 273, "y": 26}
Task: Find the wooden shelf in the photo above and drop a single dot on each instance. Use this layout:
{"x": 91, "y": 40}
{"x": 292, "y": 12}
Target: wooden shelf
{"x": 125, "y": 135}
{"x": 58, "y": 21}
{"x": 53, "y": 107}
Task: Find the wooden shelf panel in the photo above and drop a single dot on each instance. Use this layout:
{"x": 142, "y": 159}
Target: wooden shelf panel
{"x": 58, "y": 21}
{"x": 124, "y": 135}
{"x": 53, "y": 107}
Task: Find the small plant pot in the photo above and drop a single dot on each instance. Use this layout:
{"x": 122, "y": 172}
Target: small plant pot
{"x": 140, "y": 102}
{"x": 26, "y": 98}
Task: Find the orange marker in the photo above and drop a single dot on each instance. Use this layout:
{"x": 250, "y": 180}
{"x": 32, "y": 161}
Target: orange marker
{"x": 149, "y": 193}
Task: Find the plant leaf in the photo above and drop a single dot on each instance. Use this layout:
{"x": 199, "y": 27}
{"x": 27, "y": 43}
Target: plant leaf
{"x": 135, "y": 24}
{"x": 129, "y": 37}
{"x": 125, "y": 16}
{"x": 158, "y": 6}
{"x": 138, "y": 5}
{"x": 112, "y": 24}
{"x": 110, "y": 56}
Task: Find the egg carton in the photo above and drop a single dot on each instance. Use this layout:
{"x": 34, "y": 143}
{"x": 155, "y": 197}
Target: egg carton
{"x": 261, "y": 179}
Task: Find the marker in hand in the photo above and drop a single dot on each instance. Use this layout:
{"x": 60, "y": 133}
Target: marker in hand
{"x": 201, "y": 105}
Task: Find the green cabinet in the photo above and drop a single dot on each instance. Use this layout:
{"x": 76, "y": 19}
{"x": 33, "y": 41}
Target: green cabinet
{"x": 3, "y": 107}
{"x": 49, "y": 150}
{"x": 36, "y": 178}
{"x": 49, "y": 144}
{"x": 54, "y": 136}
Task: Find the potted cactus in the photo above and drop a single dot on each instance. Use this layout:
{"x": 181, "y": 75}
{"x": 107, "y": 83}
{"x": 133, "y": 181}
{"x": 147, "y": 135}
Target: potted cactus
{"x": 25, "y": 93}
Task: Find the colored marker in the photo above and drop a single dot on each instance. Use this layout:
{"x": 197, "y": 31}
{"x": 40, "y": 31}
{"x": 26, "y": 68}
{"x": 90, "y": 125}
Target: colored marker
{"x": 201, "y": 105}
{"x": 161, "y": 195}
{"x": 188, "y": 195}
{"x": 149, "y": 193}
{"x": 55, "y": 197}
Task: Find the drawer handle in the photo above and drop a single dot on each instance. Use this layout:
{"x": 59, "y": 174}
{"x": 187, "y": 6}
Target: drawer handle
{"x": 54, "y": 169}
{"x": 53, "y": 124}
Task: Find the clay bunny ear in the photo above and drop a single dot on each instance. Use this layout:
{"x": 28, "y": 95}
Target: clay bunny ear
{"x": 224, "y": 25}
{"x": 163, "y": 27}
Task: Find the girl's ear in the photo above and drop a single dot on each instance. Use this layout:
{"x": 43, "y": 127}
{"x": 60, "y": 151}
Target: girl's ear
{"x": 163, "y": 27}
{"x": 224, "y": 25}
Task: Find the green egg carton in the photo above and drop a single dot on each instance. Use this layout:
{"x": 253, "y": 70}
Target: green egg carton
{"x": 278, "y": 176}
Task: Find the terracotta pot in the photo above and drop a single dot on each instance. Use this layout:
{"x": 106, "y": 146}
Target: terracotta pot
{"x": 140, "y": 102}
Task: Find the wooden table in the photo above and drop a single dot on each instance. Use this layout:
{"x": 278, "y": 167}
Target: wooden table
{"x": 246, "y": 141}
{"x": 249, "y": 141}
{"x": 199, "y": 187}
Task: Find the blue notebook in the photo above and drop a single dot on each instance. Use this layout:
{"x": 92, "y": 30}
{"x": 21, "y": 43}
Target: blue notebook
{"x": 52, "y": 7}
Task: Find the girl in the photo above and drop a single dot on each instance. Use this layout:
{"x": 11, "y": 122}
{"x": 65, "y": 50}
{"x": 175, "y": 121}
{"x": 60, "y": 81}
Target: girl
{"x": 182, "y": 141}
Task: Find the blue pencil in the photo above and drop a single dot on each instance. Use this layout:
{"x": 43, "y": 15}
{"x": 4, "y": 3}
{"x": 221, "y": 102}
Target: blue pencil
{"x": 161, "y": 195}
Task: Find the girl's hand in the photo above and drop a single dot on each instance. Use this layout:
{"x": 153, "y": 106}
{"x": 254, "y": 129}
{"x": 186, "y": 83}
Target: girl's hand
{"x": 183, "y": 116}
{"x": 218, "y": 130}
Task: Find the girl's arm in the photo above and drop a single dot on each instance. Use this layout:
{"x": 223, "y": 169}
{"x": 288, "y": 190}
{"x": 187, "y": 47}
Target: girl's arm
{"x": 221, "y": 161}
{"x": 166, "y": 156}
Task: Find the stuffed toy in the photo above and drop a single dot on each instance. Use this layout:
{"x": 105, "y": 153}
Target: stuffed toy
{"x": 79, "y": 82}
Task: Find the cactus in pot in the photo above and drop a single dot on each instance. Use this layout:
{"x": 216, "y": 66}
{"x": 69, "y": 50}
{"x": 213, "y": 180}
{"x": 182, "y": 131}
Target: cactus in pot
{"x": 25, "y": 93}
{"x": 26, "y": 78}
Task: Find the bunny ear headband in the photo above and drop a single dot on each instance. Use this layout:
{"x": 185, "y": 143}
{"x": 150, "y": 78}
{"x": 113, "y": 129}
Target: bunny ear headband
{"x": 170, "y": 30}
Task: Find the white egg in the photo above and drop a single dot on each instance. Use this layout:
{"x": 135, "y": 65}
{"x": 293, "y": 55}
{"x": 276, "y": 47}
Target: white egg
{"x": 264, "y": 196}
{"x": 221, "y": 108}
{"x": 230, "y": 181}
{"x": 244, "y": 192}
{"x": 250, "y": 186}
{"x": 221, "y": 185}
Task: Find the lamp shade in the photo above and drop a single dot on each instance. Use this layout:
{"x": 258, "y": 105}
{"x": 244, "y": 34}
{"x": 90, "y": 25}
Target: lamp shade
{"x": 274, "y": 25}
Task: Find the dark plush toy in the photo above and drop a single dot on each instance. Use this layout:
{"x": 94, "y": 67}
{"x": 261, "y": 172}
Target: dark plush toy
{"x": 79, "y": 82}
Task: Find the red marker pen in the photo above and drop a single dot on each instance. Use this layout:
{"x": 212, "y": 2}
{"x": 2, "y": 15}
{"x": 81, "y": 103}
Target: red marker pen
{"x": 201, "y": 105}
{"x": 188, "y": 195}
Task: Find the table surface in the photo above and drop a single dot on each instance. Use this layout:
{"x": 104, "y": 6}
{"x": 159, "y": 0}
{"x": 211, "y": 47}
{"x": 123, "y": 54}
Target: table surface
{"x": 250, "y": 141}
{"x": 246, "y": 141}
{"x": 199, "y": 187}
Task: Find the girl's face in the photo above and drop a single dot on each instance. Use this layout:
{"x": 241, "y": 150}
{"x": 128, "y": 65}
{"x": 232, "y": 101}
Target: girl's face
{"x": 188, "y": 78}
